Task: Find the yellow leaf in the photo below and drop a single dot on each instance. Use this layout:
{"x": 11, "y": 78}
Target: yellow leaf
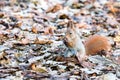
{"x": 38, "y": 68}
{"x": 117, "y": 38}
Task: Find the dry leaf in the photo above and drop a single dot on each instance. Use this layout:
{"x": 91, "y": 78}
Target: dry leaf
{"x": 109, "y": 76}
{"x": 117, "y": 38}
{"x": 63, "y": 16}
{"x": 18, "y": 24}
{"x": 2, "y": 38}
{"x": 81, "y": 25}
{"x": 34, "y": 29}
{"x": 25, "y": 41}
{"x": 42, "y": 41}
{"x": 38, "y": 68}
{"x": 2, "y": 55}
{"x": 55, "y": 8}
{"x": 111, "y": 6}
{"x": 49, "y": 30}
{"x": 88, "y": 64}
{"x": 43, "y": 16}
{"x": 2, "y": 4}
{"x": 1, "y": 14}
{"x": 67, "y": 59}
{"x": 3, "y": 58}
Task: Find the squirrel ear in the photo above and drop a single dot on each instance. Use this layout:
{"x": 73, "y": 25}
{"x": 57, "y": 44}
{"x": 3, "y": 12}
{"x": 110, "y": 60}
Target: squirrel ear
{"x": 71, "y": 24}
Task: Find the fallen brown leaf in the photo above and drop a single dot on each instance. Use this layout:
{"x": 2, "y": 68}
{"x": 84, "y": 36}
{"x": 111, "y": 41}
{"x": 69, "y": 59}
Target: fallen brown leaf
{"x": 25, "y": 41}
{"x": 38, "y": 68}
{"x": 42, "y": 41}
{"x": 49, "y": 30}
{"x": 55, "y": 8}
{"x": 34, "y": 29}
{"x": 117, "y": 38}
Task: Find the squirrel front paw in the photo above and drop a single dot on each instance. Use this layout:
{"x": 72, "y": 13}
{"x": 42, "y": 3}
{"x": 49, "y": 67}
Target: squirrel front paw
{"x": 69, "y": 52}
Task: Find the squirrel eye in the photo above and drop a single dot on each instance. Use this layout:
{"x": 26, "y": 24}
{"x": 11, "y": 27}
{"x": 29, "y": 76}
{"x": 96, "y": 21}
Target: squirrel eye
{"x": 70, "y": 32}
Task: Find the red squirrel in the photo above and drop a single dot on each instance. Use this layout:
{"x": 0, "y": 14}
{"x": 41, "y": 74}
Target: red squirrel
{"x": 91, "y": 46}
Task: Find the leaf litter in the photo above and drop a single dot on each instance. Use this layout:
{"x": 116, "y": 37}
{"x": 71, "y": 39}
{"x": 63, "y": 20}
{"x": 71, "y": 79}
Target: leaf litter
{"x": 32, "y": 32}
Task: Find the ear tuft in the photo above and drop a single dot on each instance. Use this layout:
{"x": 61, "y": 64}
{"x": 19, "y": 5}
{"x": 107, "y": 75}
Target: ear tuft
{"x": 71, "y": 24}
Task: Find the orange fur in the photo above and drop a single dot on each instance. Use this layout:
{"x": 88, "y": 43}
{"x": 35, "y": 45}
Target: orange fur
{"x": 96, "y": 43}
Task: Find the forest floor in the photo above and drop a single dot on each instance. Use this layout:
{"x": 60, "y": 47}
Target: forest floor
{"x": 32, "y": 32}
